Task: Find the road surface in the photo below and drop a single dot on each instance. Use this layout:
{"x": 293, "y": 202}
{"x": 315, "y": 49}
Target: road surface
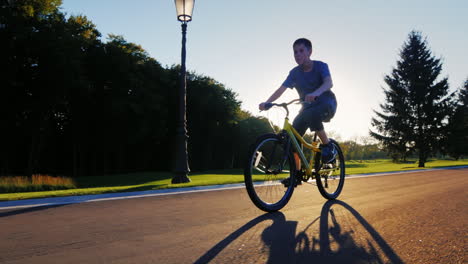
{"x": 418, "y": 217}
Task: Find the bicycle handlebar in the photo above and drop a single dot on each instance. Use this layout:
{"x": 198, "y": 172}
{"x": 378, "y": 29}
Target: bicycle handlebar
{"x": 284, "y": 105}
{"x": 270, "y": 105}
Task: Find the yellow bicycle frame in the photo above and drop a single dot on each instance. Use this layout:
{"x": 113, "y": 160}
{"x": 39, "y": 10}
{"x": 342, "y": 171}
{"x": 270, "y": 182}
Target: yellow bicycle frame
{"x": 294, "y": 136}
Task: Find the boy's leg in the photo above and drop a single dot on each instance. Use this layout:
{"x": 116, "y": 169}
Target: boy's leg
{"x": 297, "y": 174}
{"x": 314, "y": 116}
{"x": 301, "y": 126}
{"x": 323, "y": 136}
{"x": 298, "y": 161}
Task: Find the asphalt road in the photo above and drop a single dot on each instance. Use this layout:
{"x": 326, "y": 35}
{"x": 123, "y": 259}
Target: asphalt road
{"x": 418, "y": 217}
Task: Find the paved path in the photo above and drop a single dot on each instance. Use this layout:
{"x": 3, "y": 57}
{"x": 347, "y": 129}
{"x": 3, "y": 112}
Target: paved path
{"x": 418, "y": 217}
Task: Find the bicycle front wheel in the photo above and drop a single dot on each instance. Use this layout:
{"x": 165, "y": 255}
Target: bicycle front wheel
{"x": 330, "y": 176}
{"x": 269, "y": 173}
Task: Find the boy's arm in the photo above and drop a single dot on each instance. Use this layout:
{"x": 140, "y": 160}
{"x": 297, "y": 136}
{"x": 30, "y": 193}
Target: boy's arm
{"x": 326, "y": 85}
{"x": 277, "y": 94}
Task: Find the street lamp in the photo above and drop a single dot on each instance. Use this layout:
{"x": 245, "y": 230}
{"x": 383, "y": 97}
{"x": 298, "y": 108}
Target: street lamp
{"x": 184, "y": 14}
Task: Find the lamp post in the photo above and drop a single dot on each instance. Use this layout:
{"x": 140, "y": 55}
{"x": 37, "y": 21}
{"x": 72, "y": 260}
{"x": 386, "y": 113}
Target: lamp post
{"x": 184, "y": 14}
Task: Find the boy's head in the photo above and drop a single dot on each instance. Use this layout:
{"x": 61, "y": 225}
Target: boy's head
{"x": 302, "y": 51}
{"x": 304, "y": 42}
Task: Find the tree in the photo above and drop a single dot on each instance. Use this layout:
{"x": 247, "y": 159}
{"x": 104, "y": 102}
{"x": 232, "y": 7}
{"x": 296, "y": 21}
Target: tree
{"x": 29, "y": 34}
{"x": 212, "y": 110}
{"x": 414, "y": 117}
{"x": 457, "y": 136}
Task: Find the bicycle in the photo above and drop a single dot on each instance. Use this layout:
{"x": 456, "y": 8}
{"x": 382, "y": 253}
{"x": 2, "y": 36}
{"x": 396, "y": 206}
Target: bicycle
{"x": 270, "y": 174}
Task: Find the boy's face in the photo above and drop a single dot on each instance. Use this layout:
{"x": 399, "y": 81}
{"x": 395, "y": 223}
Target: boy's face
{"x": 301, "y": 53}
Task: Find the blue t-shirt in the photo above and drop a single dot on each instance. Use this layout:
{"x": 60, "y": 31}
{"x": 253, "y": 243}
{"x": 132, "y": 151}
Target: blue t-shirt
{"x": 307, "y": 82}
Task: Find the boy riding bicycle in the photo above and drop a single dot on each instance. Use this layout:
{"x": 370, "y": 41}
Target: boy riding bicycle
{"x": 313, "y": 82}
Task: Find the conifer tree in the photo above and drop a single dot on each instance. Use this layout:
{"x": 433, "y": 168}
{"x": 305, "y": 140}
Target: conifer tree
{"x": 414, "y": 117}
{"x": 457, "y": 136}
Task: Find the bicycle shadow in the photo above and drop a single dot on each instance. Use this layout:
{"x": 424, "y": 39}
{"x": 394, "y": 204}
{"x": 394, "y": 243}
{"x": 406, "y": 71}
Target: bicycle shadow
{"x": 345, "y": 236}
{"x": 339, "y": 235}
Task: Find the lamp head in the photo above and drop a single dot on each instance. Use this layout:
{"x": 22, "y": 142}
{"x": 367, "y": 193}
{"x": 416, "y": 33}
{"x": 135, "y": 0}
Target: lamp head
{"x": 184, "y": 10}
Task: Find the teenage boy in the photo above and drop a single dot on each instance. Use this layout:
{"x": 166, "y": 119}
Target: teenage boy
{"x": 313, "y": 82}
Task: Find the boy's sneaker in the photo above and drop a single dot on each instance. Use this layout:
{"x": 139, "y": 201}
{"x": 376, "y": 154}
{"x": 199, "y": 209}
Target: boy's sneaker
{"x": 298, "y": 175}
{"x": 328, "y": 153}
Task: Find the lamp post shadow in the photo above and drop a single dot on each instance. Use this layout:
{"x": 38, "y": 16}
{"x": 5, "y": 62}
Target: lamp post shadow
{"x": 339, "y": 235}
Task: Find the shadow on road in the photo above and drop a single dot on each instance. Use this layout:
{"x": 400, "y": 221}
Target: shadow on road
{"x": 339, "y": 235}
{"x": 28, "y": 210}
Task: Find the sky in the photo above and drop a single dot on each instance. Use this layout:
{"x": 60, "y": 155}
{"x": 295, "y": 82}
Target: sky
{"x": 247, "y": 44}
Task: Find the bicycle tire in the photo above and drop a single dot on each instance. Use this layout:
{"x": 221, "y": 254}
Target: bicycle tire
{"x": 269, "y": 172}
{"x": 330, "y": 184}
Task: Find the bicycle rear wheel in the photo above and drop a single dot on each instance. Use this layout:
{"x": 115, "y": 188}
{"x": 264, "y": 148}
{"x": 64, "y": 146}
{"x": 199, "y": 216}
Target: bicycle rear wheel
{"x": 269, "y": 173}
{"x": 330, "y": 176}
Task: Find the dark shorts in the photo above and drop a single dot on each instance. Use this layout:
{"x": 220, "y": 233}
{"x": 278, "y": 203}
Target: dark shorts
{"x": 312, "y": 115}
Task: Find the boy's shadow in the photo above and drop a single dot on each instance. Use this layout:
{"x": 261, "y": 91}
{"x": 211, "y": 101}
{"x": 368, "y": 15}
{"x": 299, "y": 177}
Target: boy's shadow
{"x": 339, "y": 235}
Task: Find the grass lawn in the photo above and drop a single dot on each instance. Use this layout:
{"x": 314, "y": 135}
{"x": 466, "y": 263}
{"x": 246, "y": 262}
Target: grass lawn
{"x": 160, "y": 180}
{"x": 385, "y": 165}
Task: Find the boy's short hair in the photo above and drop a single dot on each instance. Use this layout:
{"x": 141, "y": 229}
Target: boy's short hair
{"x": 304, "y": 42}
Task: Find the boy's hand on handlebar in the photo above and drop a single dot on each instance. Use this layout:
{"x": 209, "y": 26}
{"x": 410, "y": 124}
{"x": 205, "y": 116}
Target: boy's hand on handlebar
{"x": 265, "y": 106}
{"x": 310, "y": 97}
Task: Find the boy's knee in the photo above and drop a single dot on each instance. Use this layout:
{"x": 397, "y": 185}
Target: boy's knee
{"x": 315, "y": 122}
{"x": 300, "y": 126}
{"x": 316, "y": 125}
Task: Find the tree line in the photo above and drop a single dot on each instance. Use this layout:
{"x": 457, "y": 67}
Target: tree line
{"x": 73, "y": 104}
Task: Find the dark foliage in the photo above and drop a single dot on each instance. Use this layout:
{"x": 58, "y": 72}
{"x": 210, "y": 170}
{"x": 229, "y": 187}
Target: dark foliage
{"x": 72, "y": 104}
{"x": 456, "y": 144}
